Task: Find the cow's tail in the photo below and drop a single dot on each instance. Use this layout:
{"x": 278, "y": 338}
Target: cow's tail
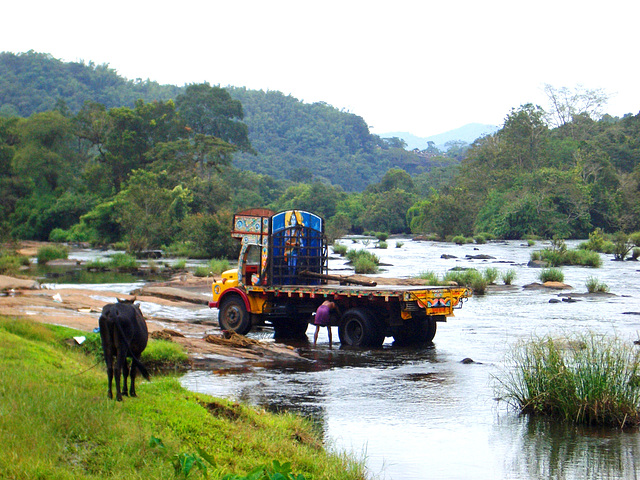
{"x": 134, "y": 360}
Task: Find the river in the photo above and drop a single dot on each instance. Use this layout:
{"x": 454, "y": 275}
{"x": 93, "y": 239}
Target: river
{"x": 420, "y": 413}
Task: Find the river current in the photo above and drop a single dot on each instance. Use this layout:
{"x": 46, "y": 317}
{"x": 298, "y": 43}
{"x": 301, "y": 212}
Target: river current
{"x": 415, "y": 413}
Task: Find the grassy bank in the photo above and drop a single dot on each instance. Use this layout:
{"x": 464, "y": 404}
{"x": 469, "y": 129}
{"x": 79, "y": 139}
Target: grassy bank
{"x": 56, "y": 422}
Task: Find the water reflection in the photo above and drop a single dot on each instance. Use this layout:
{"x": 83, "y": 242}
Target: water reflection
{"x": 548, "y": 450}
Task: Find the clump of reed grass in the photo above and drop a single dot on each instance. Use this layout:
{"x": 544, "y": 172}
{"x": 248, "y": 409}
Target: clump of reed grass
{"x": 551, "y": 275}
{"x": 431, "y": 277}
{"x": 461, "y": 239}
{"x": 490, "y": 275}
{"x": 471, "y": 278}
{"x": 586, "y": 379}
{"x": 382, "y": 245}
{"x": 122, "y": 261}
{"x": 339, "y": 249}
{"x": 399, "y": 244}
{"x": 508, "y": 276}
{"x": 596, "y": 286}
{"x": 10, "y": 262}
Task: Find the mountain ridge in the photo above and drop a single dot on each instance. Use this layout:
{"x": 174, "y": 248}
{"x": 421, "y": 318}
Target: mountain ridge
{"x": 467, "y": 133}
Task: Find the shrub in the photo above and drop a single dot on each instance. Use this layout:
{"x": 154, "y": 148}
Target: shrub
{"x": 399, "y": 244}
{"x": 51, "y": 252}
{"x": 635, "y": 253}
{"x": 480, "y": 239}
{"x": 585, "y": 379}
{"x": 10, "y": 264}
{"x": 382, "y": 236}
{"x": 596, "y": 286}
{"x": 509, "y": 276}
{"x": 364, "y": 265}
{"x": 551, "y": 275}
{"x": 201, "y": 271}
{"x": 556, "y": 257}
{"x": 459, "y": 239}
{"x": 180, "y": 264}
{"x": 382, "y": 245}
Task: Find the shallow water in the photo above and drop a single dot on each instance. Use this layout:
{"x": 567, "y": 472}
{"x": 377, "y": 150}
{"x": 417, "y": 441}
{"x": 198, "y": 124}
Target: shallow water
{"x": 421, "y": 413}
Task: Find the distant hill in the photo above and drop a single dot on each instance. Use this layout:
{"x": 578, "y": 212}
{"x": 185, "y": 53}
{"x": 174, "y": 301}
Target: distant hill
{"x": 467, "y": 133}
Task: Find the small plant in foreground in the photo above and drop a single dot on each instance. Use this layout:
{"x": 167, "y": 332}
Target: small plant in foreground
{"x": 596, "y": 286}
{"x": 586, "y": 379}
{"x": 551, "y": 275}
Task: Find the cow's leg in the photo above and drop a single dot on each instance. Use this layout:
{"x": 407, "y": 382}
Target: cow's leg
{"x": 134, "y": 369}
{"x": 125, "y": 374}
{"x": 108, "y": 358}
{"x": 107, "y": 351}
{"x": 120, "y": 361}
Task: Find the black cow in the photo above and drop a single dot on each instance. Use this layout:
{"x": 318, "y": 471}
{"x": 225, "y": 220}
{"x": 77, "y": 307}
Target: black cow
{"x": 124, "y": 333}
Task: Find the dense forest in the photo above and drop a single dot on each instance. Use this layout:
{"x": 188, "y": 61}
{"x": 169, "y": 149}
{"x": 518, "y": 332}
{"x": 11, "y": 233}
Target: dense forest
{"x": 86, "y": 155}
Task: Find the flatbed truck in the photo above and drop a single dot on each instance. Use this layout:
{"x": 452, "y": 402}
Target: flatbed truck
{"x": 282, "y": 278}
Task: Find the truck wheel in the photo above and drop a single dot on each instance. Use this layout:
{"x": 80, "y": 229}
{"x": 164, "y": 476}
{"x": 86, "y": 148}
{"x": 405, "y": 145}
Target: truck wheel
{"x": 233, "y": 316}
{"x": 426, "y": 329}
{"x": 359, "y": 328}
{"x": 290, "y": 328}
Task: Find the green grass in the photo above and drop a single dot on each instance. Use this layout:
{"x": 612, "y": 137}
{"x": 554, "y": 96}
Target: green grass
{"x": 586, "y": 379}
{"x": 215, "y": 267}
{"x": 56, "y": 422}
{"x": 10, "y": 262}
{"x": 51, "y": 252}
{"x": 551, "y": 275}
{"x": 596, "y": 286}
{"x": 491, "y": 274}
{"x": 339, "y": 249}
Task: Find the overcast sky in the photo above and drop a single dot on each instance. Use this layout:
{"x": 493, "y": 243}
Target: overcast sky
{"x": 423, "y": 67}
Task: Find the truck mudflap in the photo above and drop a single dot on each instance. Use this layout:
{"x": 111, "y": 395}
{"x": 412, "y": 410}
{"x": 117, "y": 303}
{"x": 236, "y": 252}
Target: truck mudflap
{"x": 440, "y": 301}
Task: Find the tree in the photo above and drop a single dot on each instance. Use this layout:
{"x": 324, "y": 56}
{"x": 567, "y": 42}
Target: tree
{"x": 211, "y": 111}
{"x": 566, "y": 103}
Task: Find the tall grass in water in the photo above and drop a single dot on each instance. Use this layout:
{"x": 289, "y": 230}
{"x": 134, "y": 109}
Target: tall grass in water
{"x": 586, "y": 379}
{"x": 363, "y": 261}
{"x": 471, "y": 278}
{"x": 51, "y": 252}
{"x": 551, "y": 275}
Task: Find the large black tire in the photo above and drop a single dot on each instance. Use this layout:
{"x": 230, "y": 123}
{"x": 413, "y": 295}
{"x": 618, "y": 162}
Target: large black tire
{"x": 415, "y": 331}
{"x": 426, "y": 330}
{"x": 359, "y": 328}
{"x": 293, "y": 328}
{"x": 233, "y": 315}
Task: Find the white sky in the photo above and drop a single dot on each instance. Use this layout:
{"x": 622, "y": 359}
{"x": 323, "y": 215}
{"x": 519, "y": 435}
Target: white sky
{"x": 423, "y": 67}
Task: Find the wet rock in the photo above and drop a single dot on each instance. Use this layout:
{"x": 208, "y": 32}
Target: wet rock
{"x": 537, "y": 264}
{"x": 570, "y": 300}
{"x": 480, "y": 257}
{"x": 631, "y": 313}
{"x": 547, "y": 285}
{"x": 9, "y": 283}
{"x": 467, "y": 361}
{"x": 554, "y": 300}
{"x": 447, "y": 256}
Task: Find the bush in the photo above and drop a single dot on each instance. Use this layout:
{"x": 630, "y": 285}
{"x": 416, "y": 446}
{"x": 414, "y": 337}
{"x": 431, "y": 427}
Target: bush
{"x": 551, "y": 275}
{"x": 586, "y": 379}
{"x": 363, "y": 261}
{"x": 480, "y": 239}
{"x": 596, "y": 286}
{"x": 51, "y": 252}
{"x": 382, "y": 236}
{"x": 219, "y": 265}
{"x": 635, "y": 253}
{"x": 509, "y": 276}
{"x": 399, "y": 244}
{"x": 459, "y": 239}
{"x": 382, "y": 245}
{"x": 10, "y": 263}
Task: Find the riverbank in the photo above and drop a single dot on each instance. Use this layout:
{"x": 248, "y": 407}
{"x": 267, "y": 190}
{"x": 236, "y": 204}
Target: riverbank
{"x": 80, "y": 309}
{"x": 56, "y": 422}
